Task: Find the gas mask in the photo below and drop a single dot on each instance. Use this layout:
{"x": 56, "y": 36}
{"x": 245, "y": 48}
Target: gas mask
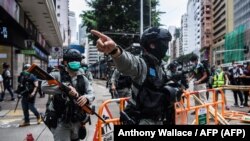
{"x": 74, "y": 66}
{"x": 160, "y": 49}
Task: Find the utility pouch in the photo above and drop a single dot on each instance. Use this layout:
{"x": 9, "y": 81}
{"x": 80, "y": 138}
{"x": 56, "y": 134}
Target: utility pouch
{"x": 125, "y": 119}
{"x": 50, "y": 119}
{"x": 82, "y": 132}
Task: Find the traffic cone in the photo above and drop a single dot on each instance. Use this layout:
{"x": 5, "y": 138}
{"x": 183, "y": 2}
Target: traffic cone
{"x": 29, "y": 137}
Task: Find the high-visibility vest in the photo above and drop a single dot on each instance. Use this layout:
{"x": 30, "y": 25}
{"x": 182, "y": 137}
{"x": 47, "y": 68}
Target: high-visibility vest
{"x": 218, "y": 80}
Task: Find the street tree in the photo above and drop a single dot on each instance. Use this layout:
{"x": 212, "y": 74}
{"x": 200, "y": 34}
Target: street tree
{"x": 120, "y": 19}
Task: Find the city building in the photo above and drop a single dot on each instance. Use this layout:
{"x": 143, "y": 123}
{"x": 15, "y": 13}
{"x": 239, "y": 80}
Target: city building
{"x": 197, "y": 24}
{"x": 242, "y": 26}
{"x": 241, "y": 12}
{"x": 184, "y": 35}
{"x": 82, "y": 34}
{"x": 62, "y": 12}
{"x": 72, "y": 26}
{"x": 172, "y": 46}
{"x": 28, "y": 30}
{"x": 206, "y": 29}
{"x": 223, "y": 22}
{"x": 191, "y": 27}
{"x": 92, "y": 54}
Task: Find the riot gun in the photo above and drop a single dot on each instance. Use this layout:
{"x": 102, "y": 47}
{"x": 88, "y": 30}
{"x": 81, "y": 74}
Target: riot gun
{"x": 41, "y": 74}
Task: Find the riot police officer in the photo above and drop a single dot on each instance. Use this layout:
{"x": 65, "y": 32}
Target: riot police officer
{"x": 148, "y": 74}
{"x": 67, "y": 117}
{"x": 120, "y": 85}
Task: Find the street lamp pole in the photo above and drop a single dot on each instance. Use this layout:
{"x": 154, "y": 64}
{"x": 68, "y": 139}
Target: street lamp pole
{"x": 141, "y": 20}
{"x": 150, "y": 14}
{"x": 222, "y": 51}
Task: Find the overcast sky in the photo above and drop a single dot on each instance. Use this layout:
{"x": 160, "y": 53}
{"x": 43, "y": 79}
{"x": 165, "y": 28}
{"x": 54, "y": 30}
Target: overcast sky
{"x": 173, "y": 8}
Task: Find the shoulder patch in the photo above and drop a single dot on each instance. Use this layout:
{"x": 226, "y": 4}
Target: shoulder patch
{"x": 152, "y": 72}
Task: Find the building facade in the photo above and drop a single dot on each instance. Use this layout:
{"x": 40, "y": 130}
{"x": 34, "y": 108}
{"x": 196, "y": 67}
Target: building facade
{"x": 72, "y": 26}
{"x": 241, "y": 12}
{"x": 197, "y": 21}
{"x": 82, "y": 34}
{"x": 206, "y": 28}
{"x": 28, "y": 30}
{"x": 191, "y": 26}
{"x": 62, "y": 12}
{"x": 222, "y": 11}
{"x": 184, "y": 35}
{"x": 92, "y": 54}
{"x": 242, "y": 17}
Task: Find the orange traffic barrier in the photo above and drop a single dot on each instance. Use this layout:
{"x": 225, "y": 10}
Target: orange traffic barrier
{"x": 237, "y": 115}
{"x": 111, "y": 119}
{"x": 183, "y": 107}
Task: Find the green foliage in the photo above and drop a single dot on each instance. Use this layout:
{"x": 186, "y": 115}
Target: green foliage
{"x": 185, "y": 58}
{"x": 166, "y": 58}
{"x": 119, "y": 18}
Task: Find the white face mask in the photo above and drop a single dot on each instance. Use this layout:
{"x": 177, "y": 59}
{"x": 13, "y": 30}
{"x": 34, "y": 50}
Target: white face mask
{"x": 234, "y": 65}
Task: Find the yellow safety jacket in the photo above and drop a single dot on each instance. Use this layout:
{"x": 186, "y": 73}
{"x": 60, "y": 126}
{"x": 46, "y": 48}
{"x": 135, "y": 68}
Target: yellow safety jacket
{"x": 219, "y": 80}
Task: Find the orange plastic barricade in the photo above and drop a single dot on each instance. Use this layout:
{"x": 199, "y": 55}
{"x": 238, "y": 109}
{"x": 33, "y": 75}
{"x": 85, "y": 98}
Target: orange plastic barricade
{"x": 237, "y": 115}
{"x": 111, "y": 119}
{"x": 183, "y": 107}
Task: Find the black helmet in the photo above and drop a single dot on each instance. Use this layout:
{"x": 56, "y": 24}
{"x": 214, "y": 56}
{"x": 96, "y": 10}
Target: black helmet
{"x": 71, "y": 55}
{"x": 194, "y": 57}
{"x": 154, "y": 34}
{"x": 26, "y": 66}
{"x": 173, "y": 65}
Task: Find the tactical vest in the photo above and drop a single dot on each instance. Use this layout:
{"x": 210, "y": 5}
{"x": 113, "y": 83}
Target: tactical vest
{"x": 65, "y": 106}
{"x": 218, "y": 80}
{"x": 155, "y": 98}
{"x": 123, "y": 82}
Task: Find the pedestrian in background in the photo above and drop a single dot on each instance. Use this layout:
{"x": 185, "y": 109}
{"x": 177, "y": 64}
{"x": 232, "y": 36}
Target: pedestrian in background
{"x": 246, "y": 81}
{"x": 121, "y": 85}
{"x": 234, "y": 74}
{"x": 1, "y": 84}
{"x": 220, "y": 79}
{"x": 28, "y": 90}
{"x": 7, "y": 82}
{"x": 200, "y": 75}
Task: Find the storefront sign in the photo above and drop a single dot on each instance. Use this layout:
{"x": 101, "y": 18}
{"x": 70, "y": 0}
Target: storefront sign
{"x": 39, "y": 53}
{"x": 28, "y": 52}
{"x": 4, "y": 32}
{"x": 3, "y": 55}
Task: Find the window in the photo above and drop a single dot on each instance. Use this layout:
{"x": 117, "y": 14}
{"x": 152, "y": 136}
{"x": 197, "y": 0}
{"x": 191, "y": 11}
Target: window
{"x": 58, "y": 14}
{"x": 58, "y": 6}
